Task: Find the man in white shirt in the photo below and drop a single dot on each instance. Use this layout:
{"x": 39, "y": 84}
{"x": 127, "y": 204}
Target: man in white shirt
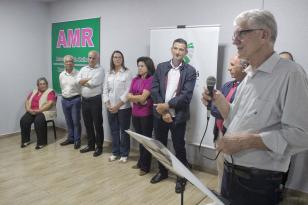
{"x": 71, "y": 102}
{"x": 267, "y": 121}
{"x": 296, "y": 192}
{"x": 172, "y": 90}
{"x": 91, "y": 79}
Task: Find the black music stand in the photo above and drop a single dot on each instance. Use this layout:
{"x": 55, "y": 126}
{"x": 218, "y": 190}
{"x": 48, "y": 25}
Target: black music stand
{"x": 164, "y": 156}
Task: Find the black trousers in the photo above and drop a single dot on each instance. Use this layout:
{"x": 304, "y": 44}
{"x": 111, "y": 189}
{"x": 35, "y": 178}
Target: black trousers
{"x": 40, "y": 127}
{"x": 243, "y": 185}
{"x": 144, "y": 126}
{"x": 92, "y": 117}
{"x": 177, "y": 130}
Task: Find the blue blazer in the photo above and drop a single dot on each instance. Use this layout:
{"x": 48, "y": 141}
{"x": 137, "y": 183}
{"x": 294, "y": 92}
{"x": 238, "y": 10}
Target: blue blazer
{"x": 184, "y": 91}
{"x": 214, "y": 111}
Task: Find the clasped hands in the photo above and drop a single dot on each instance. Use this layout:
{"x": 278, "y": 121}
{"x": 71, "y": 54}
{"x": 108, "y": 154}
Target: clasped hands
{"x": 163, "y": 110}
{"x": 112, "y": 109}
{"x": 34, "y": 112}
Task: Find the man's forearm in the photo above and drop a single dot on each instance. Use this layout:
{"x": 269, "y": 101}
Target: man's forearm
{"x": 224, "y": 108}
{"x": 254, "y": 141}
{"x": 233, "y": 143}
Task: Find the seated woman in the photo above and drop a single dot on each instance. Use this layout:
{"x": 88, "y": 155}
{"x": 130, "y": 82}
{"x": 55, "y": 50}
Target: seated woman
{"x": 40, "y": 107}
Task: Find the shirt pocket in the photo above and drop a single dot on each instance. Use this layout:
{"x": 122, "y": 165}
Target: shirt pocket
{"x": 262, "y": 113}
{"x": 110, "y": 83}
{"x": 121, "y": 82}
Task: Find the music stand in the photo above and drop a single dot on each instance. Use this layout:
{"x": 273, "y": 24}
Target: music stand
{"x": 164, "y": 156}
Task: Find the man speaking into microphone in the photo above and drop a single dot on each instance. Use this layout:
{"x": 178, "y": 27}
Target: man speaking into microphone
{"x": 267, "y": 121}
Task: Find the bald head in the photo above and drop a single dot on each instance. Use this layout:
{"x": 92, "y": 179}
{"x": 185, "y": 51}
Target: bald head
{"x": 93, "y": 58}
{"x": 286, "y": 55}
{"x": 236, "y": 68}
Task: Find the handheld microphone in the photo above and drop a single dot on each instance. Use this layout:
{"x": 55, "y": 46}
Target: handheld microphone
{"x": 210, "y": 82}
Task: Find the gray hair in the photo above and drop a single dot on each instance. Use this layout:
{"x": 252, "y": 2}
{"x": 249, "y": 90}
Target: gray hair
{"x": 94, "y": 51}
{"x": 68, "y": 57}
{"x": 244, "y": 63}
{"x": 41, "y": 79}
{"x": 257, "y": 18}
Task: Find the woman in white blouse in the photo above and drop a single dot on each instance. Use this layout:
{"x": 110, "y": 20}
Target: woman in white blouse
{"x": 116, "y": 87}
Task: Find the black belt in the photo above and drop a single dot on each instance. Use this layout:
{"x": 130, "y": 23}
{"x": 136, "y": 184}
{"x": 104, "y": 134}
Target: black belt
{"x": 71, "y": 98}
{"x": 91, "y": 98}
{"x": 251, "y": 172}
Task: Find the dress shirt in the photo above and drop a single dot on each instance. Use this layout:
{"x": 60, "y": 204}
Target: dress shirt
{"x": 271, "y": 101}
{"x": 95, "y": 85}
{"x": 298, "y": 175}
{"x": 116, "y": 87}
{"x": 172, "y": 85}
{"x": 69, "y": 84}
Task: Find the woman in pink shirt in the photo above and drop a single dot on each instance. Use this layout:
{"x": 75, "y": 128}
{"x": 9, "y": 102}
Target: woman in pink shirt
{"x": 142, "y": 116}
{"x": 40, "y": 106}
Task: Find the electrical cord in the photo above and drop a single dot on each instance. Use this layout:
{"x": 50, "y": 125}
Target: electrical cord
{"x": 225, "y": 201}
{"x": 203, "y": 155}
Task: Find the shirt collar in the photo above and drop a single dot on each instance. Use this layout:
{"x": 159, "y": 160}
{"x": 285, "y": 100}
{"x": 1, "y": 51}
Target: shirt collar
{"x": 250, "y": 72}
{"x": 121, "y": 70}
{"x": 235, "y": 83}
{"x": 96, "y": 66}
{"x": 72, "y": 73}
{"x": 173, "y": 67}
{"x": 267, "y": 66}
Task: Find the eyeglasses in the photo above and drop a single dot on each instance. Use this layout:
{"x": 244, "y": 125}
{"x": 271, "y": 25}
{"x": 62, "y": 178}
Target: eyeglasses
{"x": 241, "y": 33}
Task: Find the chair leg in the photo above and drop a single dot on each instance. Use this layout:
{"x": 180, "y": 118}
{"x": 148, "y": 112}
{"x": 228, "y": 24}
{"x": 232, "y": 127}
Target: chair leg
{"x": 54, "y": 129}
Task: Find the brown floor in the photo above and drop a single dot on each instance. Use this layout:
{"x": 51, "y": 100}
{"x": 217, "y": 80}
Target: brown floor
{"x": 57, "y": 175}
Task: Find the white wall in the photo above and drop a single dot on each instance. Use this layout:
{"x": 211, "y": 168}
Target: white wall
{"x": 292, "y": 27}
{"x": 23, "y": 55}
{"x": 125, "y": 25}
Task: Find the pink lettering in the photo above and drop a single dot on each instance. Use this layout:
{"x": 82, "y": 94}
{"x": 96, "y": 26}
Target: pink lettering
{"x": 73, "y": 38}
{"x": 86, "y": 37}
{"x": 61, "y": 39}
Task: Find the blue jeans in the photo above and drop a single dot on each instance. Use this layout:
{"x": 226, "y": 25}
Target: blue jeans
{"x": 250, "y": 186}
{"x": 119, "y": 122}
{"x": 71, "y": 110}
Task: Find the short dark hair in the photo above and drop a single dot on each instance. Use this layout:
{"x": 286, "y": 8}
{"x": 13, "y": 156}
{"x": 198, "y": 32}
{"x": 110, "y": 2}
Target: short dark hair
{"x": 41, "y": 79}
{"x": 112, "y": 67}
{"x": 180, "y": 40}
{"x": 148, "y": 63}
{"x": 288, "y": 53}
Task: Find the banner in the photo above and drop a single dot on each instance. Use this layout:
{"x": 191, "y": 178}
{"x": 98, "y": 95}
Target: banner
{"x": 202, "y": 54}
{"x": 74, "y": 38}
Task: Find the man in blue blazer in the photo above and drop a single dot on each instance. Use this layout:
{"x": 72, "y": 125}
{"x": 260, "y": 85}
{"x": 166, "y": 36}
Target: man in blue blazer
{"x": 172, "y": 90}
{"x": 236, "y": 69}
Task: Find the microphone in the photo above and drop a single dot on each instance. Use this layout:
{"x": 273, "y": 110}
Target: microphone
{"x": 210, "y": 82}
